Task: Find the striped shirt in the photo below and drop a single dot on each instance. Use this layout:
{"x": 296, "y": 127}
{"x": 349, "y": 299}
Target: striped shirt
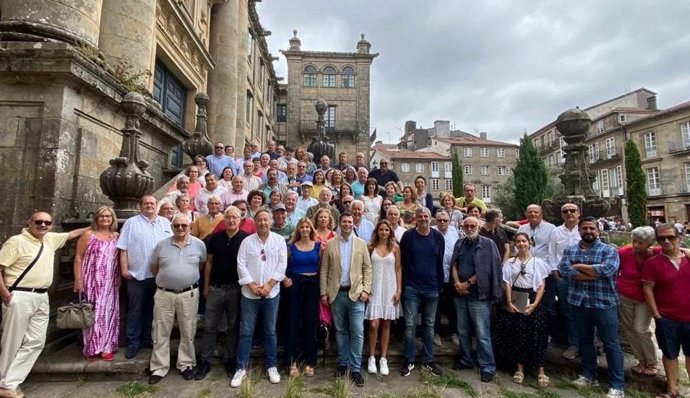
{"x": 139, "y": 237}
{"x": 599, "y": 293}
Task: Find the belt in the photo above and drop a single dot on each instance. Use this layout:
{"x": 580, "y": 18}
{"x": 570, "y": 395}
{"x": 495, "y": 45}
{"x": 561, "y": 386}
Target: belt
{"x": 186, "y": 289}
{"x": 30, "y": 289}
{"x": 344, "y": 289}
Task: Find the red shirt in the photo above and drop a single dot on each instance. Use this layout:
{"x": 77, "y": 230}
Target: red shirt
{"x": 629, "y": 281}
{"x": 671, "y": 286}
{"x": 247, "y": 225}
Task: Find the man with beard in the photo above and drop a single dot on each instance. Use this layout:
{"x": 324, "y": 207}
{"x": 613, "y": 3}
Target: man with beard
{"x": 591, "y": 266}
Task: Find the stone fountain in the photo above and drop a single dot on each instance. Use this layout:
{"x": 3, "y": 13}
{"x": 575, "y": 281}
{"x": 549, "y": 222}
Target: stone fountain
{"x": 320, "y": 144}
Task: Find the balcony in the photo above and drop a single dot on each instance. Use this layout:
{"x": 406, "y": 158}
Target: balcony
{"x": 678, "y": 148}
{"x": 549, "y": 147}
{"x": 335, "y": 131}
{"x": 606, "y": 155}
{"x": 654, "y": 191}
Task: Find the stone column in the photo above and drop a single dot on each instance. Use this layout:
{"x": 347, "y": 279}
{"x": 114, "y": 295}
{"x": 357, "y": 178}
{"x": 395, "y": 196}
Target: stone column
{"x": 222, "y": 80}
{"x": 73, "y": 21}
{"x": 242, "y": 67}
{"x": 128, "y": 37}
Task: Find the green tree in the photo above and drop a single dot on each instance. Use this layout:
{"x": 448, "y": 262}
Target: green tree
{"x": 531, "y": 177}
{"x": 636, "y": 190}
{"x": 457, "y": 174}
{"x": 504, "y": 198}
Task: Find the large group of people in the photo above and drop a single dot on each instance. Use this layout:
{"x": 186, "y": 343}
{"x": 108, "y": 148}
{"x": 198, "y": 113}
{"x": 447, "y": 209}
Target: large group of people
{"x": 259, "y": 246}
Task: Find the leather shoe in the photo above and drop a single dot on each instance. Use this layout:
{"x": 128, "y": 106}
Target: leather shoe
{"x": 155, "y": 379}
{"x": 131, "y": 352}
{"x": 486, "y": 377}
{"x": 357, "y": 379}
{"x": 341, "y": 371}
{"x": 188, "y": 374}
{"x": 460, "y": 365}
{"x": 202, "y": 370}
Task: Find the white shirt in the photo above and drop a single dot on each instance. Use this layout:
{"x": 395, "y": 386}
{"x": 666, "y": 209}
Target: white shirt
{"x": 540, "y": 236}
{"x": 260, "y": 262}
{"x": 202, "y": 198}
{"x": 451, "y": 236}
{"x": 399, "y": 231}
{"x": 345, "y": 258}
{"x": 364, "y": 230}
{"x": 305, "y": 204}
{"x": 560, "y": 239}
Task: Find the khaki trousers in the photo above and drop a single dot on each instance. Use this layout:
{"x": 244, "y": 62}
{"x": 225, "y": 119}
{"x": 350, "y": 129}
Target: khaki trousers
{"x": 24, "y": 326}
{"x": 167, "y": 305}
{"x": 635, "y": 320}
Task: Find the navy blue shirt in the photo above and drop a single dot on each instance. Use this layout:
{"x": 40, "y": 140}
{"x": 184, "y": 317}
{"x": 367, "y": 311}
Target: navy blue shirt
{"x": 466, "y": 266}
{"x": 422, "y": 259}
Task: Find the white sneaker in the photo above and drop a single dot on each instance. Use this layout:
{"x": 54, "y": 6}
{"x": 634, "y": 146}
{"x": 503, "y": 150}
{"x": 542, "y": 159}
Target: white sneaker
{"x": 273, "y": 375}
{"x": 371, "y": 365}
{"x": 583, "y": 382}
{"x": 437, "y": 340}
{"x": 383, "y": 366}
{"x": 455, "y": 339}
{"x": 615, "y": 393}
{"x": 238, "y": 378}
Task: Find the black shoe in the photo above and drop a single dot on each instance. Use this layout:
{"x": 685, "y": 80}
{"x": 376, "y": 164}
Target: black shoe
{"x": 357, "y": 379}
{"x": 188, "y": 374}
{"x": 460, "y": 365}
{"x": 486, "y": 377}
{"x": 202, "y": 370}
{"x": 433, "y": 368}
{"x": 406, "y": 368}
{"x": 230, "y": 367}
{"x": 155, "y": 379}
{"x": 341, "y": 371}
{"x": 131, "y": 352}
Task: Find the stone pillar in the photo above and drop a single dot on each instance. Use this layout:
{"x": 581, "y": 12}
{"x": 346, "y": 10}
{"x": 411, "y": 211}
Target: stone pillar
{"x": 242, "y": 130}
{"x": 222, "y": 80}
{"x": 73, "y": 21}
{"x": 128, "y": 37}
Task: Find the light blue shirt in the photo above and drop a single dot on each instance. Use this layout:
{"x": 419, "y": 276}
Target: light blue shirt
{"x": 139, "y": 237}
{"x": 357, "y": 189}
{"x": 294, "y": 217}
{"x": 216, "y": 164}
{"x": 364, "y": 230}
{"x": 345, "y": 258}
{"x": 540, "y": 236}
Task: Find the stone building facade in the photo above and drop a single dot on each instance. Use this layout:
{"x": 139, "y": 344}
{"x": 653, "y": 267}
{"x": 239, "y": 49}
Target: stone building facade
{"x": 343, "y": 80}
{"x": 436, "y": 168}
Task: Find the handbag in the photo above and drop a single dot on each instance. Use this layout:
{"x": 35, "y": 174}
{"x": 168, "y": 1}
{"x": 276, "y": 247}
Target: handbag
{"x": 325, "y": 315}
{"x": 75, "y": 315}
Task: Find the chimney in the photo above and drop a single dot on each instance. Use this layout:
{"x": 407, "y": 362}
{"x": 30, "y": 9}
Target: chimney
{"x": 482, "y": 135}
{"x": 651, "y": 103}
{"x": 442, "y": 128}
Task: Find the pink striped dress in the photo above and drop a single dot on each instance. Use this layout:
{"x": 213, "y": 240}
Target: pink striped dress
{"x": 100, "y": 271}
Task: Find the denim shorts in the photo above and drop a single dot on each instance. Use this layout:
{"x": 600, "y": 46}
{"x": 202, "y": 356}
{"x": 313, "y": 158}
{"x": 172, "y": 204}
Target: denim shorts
{"x": 671, "y": 336}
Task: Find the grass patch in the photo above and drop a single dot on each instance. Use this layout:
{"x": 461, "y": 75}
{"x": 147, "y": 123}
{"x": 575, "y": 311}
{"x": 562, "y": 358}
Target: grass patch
{"x": 449, "y": 381}
{"x": 338, "y": 388}
{"x": 248, "y": 387}
{"x": 428, "y": 392}
{"x": 136, "y": 388}
{"x": 204, "y": 393}
{"x": 295, "y": 387}
{"x": 544, "y": 393}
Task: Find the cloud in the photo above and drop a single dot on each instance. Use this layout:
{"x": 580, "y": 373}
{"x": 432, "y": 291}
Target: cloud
{"x": 498, "y": 66}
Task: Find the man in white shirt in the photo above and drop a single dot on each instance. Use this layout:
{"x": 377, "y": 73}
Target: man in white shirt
{"x": 445, "y": 303}
{"x": 361, "y": 227}
{"x": 236, "y": 193}
{"x": 211, "y": 189}
{"x": 306, "y": 201}
{"x": 251, "y": 182}
{"x": 294, "y": 214}
{"x": 261, "y": 265}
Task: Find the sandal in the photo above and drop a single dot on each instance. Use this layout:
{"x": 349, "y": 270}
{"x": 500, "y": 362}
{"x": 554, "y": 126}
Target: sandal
{"x": 543, "y": 381}
{"x": 650, "y": 371}
{"x": 518, "y": 377}
{"x": 308, "y": 371}
{"x": 638, "y": 369}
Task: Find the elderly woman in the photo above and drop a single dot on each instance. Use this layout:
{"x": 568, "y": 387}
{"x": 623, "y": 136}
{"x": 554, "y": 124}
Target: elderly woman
{"x": 350, "y": 175}
{"x": 448, "y": 204}
{"x": 520, "y": 334}
{"x": 184, "y": 206}
{"x": 195, "y": 183}
{"x": 200, "y": 163}
{"x": 633, "y": 312}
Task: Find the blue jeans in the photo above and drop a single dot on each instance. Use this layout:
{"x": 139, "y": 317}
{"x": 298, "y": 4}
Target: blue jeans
{"x": 249, "y": 313}
{"x": 140, "y": 311}
{"x": 348, "y": 317}
{"x": 428, "y": 300}
{"x": 475, "y": 316}
{"x": 562, "y": 285}
{"x": 606, "y": 322}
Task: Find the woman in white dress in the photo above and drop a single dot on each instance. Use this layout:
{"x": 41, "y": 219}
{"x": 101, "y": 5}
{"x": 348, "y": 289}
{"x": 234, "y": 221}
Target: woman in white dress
{"x": 386, "y": 287}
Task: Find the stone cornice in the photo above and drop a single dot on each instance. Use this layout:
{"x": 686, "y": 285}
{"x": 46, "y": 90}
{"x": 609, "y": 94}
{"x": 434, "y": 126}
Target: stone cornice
{"x": 328, "y": 54}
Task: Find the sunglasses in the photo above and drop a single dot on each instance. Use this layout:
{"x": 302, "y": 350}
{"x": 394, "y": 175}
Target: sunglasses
{"x": 569, "y": 211}
{"x": 219, "y": 147}
{"x": 182, "y": 226}
{"x": 669, "y": 238}
{"x": 263, "y": 255}
{"x": 442, "y": 220}
{"x": 347, "y": 202}
{"x": 43, "y": 222}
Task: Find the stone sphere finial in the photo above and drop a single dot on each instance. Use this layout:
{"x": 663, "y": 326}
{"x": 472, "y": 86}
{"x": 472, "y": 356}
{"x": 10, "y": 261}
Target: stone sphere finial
{"x": 574, "y": 125}
{"x": 133, "y": 103}
{"x": 321, "y": 106}
{"x": 201, "y": 99}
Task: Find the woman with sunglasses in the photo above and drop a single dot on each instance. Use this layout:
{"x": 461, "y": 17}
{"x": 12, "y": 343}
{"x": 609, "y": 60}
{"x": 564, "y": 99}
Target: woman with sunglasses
{"x": 520, "y": 335}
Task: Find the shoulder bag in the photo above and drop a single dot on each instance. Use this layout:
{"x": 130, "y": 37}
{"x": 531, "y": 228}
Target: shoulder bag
{"x": 27, "y": 269}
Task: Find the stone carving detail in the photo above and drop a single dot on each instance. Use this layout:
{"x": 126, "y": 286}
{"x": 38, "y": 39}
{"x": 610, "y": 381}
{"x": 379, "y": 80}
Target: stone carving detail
{"x": 320, "y": 144}
{"x": 199, "y": 143}
{"x": 126, "y": 180}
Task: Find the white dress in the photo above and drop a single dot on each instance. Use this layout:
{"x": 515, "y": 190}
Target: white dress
{"x": 372, "y": 207}
{"x": 383, "y": 287}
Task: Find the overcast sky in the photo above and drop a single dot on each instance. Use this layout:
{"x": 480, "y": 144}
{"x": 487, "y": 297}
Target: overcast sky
{"x": 500, "y": 66}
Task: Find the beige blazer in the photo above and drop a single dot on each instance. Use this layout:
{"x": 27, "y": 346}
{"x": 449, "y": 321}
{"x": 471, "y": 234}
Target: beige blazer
{"x": 331, "y": 270}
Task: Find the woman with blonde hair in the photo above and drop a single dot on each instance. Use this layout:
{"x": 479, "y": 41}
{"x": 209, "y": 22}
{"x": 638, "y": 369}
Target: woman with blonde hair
{"x": 393, "y": 191}
{"x": 408, "y": 207}
{"x": 97, "y": 275}
{"x": 184, "y": 206}
{"x": 324, "y": 226}
{"x": 302, "y": 297}
{"x": 386, "y": 288}
{"x": 448, "y": 204}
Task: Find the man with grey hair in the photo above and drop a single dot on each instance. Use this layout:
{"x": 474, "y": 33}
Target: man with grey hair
{"x": 358, "y": 186}
{"x": 182, "y": 185}
{"x": 393, "y": 217}
{"x": 176, "y": 262}
{"x": 218, "y": 161}
{"x": 361, "y": 227}
{"x": 251, "y": 182}
{"x": 293, "y": 213}
{"x": 421, "y": 253}
{"x": 211, "y": 188}
{"x": 445, "y": 304}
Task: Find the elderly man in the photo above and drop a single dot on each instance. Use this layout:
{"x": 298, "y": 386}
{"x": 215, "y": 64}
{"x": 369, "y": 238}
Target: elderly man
{"x": 293, "y": 184}
{"x": 175, "y": 262}
{"x": 421, "y": 252}
{"x": 470, "y": 190}
{"x": 342, "y": 162}
{"x": 360, "y": 161}
{"x": 182, "y": 185}
{"x": 476, "y": 272}
{"x": 138, "y": 238}
{"x": 287, "y": 159}
{"x": 219, "y": 160}
{"x": 280, "y": 224}
{"x": 345, "y": 285}
{"x": 383, "y": 175}
{"x": 272, "y": 149}
{"x": 222, "y": 293}
{"x": 393, "y": 217}
{"x": 272, "y": 185}
{"x": 325, "y": 197}
{"x": 562, "y": 237}
{"x": 211, "y": 189}
{"x": 282, "y": 177}
{"x": 260, "y": 171}
{"x": 325, "y": 163}
{"x": 261, "y": 264}
{"x": 236, "y": 193}
{"x": 293, "y": 213}
{"x": 251, "y": 182}
{"x": 306, "y": 201}
{"x": 666, "y": 283}
{"x": 358, "y": 186}
{"x": 591, "y": 267}
{"x": 204, "y": 225}
{"x": 346, "y": 203}
{"x": 26, "y": 261}
{"x": 445, "y": 304}
{"x": 361, "y": 227}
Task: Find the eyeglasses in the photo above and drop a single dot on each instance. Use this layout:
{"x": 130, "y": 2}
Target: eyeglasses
{"x": 43, "y": 222}
{"x": 569, "y": 211}
{"x": 347, "y": 202}
{"x": 180, "y": 226}
{"x": 441, "y": 220}
{"x": 263, "y": 255}
{"x": 384, "y": 163}
{"x": 669, "y": 238}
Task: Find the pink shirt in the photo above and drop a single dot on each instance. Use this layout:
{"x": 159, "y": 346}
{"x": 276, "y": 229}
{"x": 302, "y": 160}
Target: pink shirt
{"x": 671, "y": 286}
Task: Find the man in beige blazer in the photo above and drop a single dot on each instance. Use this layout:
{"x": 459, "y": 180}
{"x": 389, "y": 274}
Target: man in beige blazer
{"x": 345, "y": 286}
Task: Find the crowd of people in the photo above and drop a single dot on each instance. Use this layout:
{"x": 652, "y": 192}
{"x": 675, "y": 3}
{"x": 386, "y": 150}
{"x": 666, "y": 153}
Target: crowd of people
{"x": 263, "y": 245}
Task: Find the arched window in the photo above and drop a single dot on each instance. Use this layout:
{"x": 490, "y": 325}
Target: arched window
{"x": 348, "y": 77}
{"x": 329, "y": 76}
{"x": 309, "y": 76}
